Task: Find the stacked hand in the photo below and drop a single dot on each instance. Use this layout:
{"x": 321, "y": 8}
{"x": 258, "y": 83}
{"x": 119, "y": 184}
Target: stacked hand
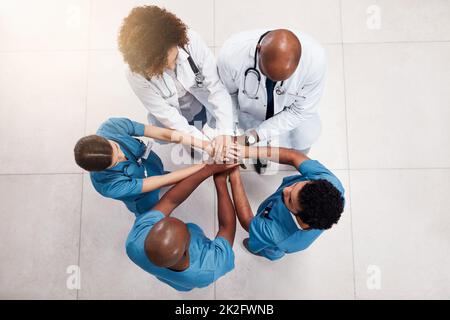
{"x": 224, "y": 149}
{"x": 219, "y": 169}
{"x": 229, "y": 171}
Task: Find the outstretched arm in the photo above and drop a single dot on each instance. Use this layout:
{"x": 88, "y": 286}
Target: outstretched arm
{"x": 157, "y": 182}
{"x": 183, "y": 189}
{"x": 281, "y": 155}
{"x": 226, "y": 211}
{"x": 175, "y": 136}
{"x": 244, "y": 211}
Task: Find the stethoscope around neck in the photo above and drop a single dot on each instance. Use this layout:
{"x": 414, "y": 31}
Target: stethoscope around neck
{"x": 134, "y": 158}
{"x": 199, "y": 78}
{"x": 253, "y": 73}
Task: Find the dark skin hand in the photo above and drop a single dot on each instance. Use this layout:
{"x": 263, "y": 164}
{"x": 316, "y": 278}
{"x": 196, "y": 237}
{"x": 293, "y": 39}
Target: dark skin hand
{"x": 279, "y": 54}
{"x": 226, "y": 211}
{"x": 167, "y": 244}
{"x": 290, "y": 193}
{"x": 183, "y": 189}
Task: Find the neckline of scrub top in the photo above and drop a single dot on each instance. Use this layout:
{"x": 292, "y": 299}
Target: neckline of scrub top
{"x": 292, "y": 225}
{"x": 124, "y": 161}
{"x": 296, "y": 221}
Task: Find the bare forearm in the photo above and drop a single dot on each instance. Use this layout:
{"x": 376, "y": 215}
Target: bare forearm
{"x": 188, "y": 140}
{"x": 156, "y": 182}
{"x": 183, "y": 189}
{"x": 173, "y": 136}
{"x": 226, "y": 212}
{"x": 281, "y": 155}
{"x": 243, "y": 208}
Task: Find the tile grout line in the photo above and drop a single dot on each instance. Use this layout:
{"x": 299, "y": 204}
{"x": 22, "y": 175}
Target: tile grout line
{"x": 394, "y": 42}
{"x": 348, "y": 153}
{"x": 84, "y": 132}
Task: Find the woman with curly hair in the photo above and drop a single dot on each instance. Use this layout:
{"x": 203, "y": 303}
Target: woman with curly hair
{"x": 174, "y": 74}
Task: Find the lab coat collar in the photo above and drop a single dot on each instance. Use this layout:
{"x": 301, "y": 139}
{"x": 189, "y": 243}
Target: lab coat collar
{"x": 252, "y": 50}
{"x": 182, "y": 56}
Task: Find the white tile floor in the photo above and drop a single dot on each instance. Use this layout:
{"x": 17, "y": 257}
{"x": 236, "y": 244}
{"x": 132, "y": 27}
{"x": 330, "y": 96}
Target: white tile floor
{"x": 385, "y": 134}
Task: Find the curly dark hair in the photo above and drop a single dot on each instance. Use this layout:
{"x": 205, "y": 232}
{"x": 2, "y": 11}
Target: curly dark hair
{"x": 321, "y": 204}
{"x": 145, "y": 37}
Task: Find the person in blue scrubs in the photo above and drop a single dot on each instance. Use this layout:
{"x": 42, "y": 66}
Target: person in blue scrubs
{"x": 302, "y": 207}
{"x": 122, "y": 167}
{"x": 180, "y": 254}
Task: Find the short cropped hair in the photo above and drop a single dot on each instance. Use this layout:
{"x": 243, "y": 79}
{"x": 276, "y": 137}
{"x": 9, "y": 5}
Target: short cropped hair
{"x": 93, "y": 153}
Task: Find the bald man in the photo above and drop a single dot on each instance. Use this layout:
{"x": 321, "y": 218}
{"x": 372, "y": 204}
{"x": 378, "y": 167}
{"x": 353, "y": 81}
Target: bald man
{"x": 180, "y": 254}
{"x": 276, "y": 78}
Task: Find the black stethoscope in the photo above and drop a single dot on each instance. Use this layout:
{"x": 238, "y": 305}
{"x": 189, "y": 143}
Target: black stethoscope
{"x": 254, "y": 73}
{"x": 135, "y": 159}
{"x": 199, "y": 77}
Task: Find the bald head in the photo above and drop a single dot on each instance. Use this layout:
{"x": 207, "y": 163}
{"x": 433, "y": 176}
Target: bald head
{"x": 279, "y": 54}
{"x": 167, "y": 242}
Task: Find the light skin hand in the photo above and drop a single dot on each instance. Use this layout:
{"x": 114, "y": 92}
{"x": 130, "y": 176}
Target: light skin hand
{"x": 174, "y": 136}
{"x": 157, "y": 182}
{"x": 224, "y": 150}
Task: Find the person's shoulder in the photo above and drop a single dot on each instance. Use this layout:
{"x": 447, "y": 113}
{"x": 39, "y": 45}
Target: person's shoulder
{"x": 240, "y": 43}
{"x": 115, "y": 127}
{"x": 194, "y": 229}
{"x": 141, "y": 227}
{"x": 150, "y": 217}
{"x": 309, "y": 41}
{"x": 135, "y": 79}
{"x": 111, "y": 122}
{"x": 312, "y": 51}
{"x": 222, "y": 245}
{"x": 223, "y": 254}
{"x": 314, "y": 170}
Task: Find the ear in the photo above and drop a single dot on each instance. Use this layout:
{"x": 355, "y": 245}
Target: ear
{"x": 258, "y": 47}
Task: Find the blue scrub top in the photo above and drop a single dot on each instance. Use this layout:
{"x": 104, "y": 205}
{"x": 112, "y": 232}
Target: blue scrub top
{"x": 124, "y": 181}
{"x": 273, "y": 231}
{"x": 209, "y": 259}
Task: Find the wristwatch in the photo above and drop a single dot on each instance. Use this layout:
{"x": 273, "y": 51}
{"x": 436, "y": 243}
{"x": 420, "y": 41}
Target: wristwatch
{"x": 249, "y": 139}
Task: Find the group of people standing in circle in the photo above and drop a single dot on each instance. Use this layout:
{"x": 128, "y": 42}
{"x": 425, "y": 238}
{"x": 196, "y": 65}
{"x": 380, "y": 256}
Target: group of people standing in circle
{"x": 258, "y": 100}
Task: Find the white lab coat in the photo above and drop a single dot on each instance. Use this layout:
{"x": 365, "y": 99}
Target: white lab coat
{"x": 296, "y": 123}
{"x": 165, "y": 111}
